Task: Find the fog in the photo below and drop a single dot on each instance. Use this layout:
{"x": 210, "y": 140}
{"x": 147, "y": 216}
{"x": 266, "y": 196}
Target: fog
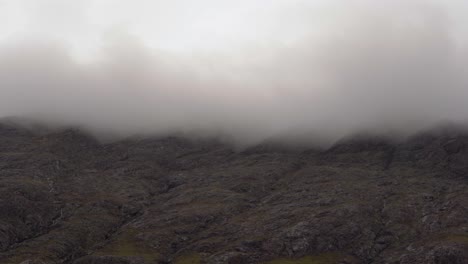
{"x": 348, "y": 67}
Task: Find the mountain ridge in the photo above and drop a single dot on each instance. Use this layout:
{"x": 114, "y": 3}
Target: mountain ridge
{"x": 69, "y": 198}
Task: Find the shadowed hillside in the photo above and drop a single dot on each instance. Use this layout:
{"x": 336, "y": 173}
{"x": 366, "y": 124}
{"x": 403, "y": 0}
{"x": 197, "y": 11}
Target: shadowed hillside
{"x": 67, "y": 198}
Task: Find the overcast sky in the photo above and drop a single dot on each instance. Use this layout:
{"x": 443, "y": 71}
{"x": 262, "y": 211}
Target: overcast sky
{"x": 245, "y": 69}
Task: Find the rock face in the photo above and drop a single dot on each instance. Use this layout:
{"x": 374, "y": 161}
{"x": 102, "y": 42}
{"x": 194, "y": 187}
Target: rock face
{"x": 66, "y": 198}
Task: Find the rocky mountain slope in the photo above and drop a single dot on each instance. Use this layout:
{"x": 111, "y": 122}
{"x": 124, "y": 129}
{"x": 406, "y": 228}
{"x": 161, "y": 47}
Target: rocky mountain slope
{"x": 67, "y": 198}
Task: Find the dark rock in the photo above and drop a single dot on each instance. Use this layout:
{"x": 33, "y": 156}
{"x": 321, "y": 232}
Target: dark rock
{"x": 66, "y": 197}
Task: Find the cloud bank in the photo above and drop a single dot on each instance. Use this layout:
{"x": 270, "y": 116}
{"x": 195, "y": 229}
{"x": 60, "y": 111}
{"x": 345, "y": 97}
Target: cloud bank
{"x": 380, "y": 68}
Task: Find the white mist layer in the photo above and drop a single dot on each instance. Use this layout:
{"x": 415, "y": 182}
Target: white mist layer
{"x": 392, "y": 69}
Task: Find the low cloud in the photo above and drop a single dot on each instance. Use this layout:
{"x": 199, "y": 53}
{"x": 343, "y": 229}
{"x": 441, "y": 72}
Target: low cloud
{"x": 394, "y": 70}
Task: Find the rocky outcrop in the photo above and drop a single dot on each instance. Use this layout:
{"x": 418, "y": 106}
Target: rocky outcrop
{"x": 67, "y": 198}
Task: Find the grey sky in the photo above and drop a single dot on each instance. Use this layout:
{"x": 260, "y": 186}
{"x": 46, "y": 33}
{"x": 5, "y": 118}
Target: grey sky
{"x": 248, "y": 70}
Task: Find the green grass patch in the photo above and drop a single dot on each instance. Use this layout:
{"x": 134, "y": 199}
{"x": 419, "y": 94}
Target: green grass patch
{"x": 188, "y": 259}
{"x": 328, "y": 258}
{"x": 126, "y": 245}
{"x": 456, "y": 238}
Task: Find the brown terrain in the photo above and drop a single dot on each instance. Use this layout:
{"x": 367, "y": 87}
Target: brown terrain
{"x": 65, "y": 197}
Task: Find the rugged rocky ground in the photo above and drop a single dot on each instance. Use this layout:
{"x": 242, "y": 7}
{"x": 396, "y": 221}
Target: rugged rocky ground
{"x": 66, "y": 198}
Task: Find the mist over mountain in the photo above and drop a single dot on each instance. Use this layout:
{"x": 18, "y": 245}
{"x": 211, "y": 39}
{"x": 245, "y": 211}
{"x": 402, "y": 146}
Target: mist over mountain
{"x": 392, "y": 68}
{"x": 233, "y": 132}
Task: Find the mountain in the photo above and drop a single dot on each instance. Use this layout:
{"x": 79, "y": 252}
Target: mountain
{"x": 66, "y": 197}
